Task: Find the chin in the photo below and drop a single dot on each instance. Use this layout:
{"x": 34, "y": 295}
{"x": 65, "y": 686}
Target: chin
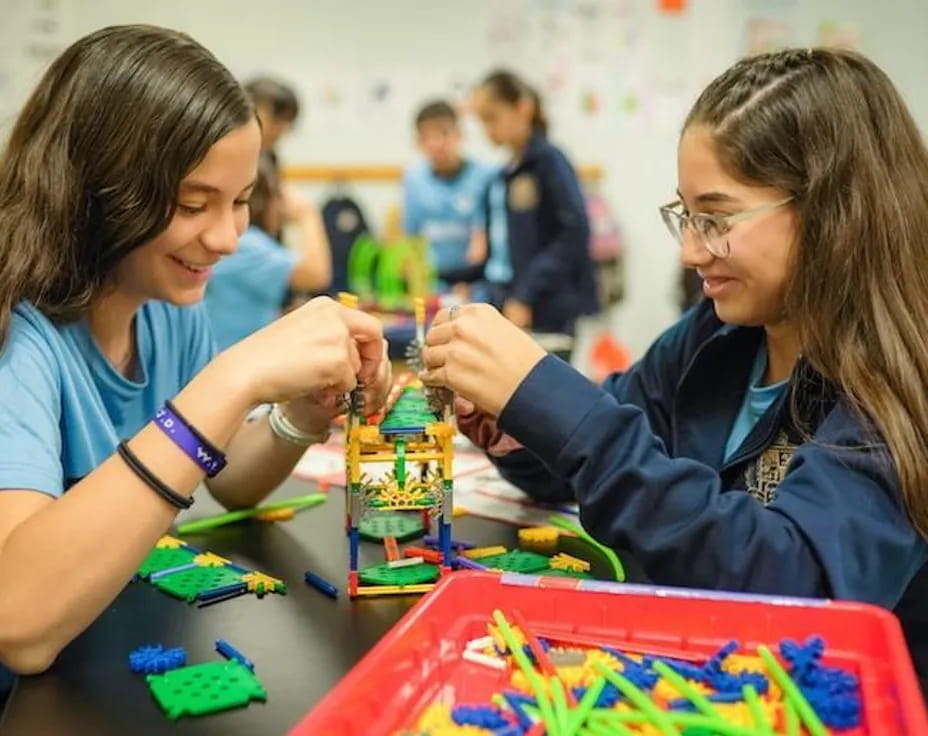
{"x": 184, "y": 298}
{"x": 733, "y": 313}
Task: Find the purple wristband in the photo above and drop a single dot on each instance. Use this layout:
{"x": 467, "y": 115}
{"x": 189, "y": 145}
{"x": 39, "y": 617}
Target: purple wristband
{"x": 194, "y": 445}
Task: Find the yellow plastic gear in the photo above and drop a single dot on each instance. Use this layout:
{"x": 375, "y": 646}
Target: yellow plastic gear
{"x": 540, "y": 539}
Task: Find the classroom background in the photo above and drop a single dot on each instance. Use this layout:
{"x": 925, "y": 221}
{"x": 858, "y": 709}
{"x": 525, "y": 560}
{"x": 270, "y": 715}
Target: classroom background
{"x": 617, "y": 77}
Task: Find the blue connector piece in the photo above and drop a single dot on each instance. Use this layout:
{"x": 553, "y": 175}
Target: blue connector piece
{"x": 221, "y": 591}
{"x": 230, "y": 652}
{"x": 725, "y": 698}
{"x": 726, "y": 682}
{"x": 833, "y": 693}
{"x": 432, "y": 541}
{"x": 608, "y": 696}
{"x": 412, "y": 429}
{"x": 482, "y": 716}
{"x": 353, "y": 543}
{"x": 171, "y": 570}
{"x": 467, "y": 564}
{"x": 321, "y": 584}
{"x": 637, "y": 672}
{"x": 524, "y": 721}
{"x": 685, "y": 669}
{"x": 153, "y": 659}
{"x": 804, "y": 660}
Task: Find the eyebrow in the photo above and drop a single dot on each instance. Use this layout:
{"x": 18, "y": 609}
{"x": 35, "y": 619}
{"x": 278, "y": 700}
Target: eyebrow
{"x": 713, "y": 198}
{"x": 199, "y": 186}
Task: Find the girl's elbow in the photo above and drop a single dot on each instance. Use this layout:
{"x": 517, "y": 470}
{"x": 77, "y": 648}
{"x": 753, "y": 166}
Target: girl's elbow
{"x": 29, "y": 643}
{"x": 27, "y": 656}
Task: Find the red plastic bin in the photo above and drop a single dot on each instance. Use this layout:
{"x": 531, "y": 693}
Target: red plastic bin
{"x": 420, "y": 658}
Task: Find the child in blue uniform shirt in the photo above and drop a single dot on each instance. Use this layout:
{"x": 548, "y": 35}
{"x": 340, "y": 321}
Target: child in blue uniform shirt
{"x": 774, "y": 440}
{"x": 149, "y": 150}
{"x": 247, "y": 288}
{"x": 538, "y": 261}
{"x": 442, "y": 194}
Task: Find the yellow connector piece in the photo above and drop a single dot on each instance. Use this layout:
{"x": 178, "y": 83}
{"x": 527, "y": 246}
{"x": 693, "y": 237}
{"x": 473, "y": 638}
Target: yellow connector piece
{"x": 284, "y": 514}
{"x": 478, "y": 552}
{"x": 569, "y": 563}
{"x": 347, "y": 299}
{"x": 394, "y": 589}
{"x": 260, "y": 583}
{"x": 169, "y": 542}
{"x": 210, "y": 559}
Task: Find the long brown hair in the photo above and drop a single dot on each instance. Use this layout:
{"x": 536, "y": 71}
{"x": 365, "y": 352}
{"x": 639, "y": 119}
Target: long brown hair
{"x": 94, "y": 161}
{"x": 829, "y": 128}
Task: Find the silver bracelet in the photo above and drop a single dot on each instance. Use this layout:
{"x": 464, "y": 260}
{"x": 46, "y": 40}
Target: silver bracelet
{"x": 286, "y": 430}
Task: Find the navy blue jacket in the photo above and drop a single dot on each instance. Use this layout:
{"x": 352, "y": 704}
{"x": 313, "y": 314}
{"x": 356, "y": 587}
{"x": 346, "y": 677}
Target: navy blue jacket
{"x": 549, "y": 238}
{"x": 643, "y": 456}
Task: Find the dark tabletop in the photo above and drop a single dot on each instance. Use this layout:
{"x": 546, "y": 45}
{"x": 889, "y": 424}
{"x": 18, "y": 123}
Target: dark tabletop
{"x": 301, "y": 643}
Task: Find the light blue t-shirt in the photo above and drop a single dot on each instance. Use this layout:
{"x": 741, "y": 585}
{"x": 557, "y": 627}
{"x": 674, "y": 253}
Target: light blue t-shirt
{"x": 756, "y": 401}
{"x": 246, "y": 290}
{"x": 499, "y": 267}
{"x": 64, "y": 408}
{"x": 444, "y": 211}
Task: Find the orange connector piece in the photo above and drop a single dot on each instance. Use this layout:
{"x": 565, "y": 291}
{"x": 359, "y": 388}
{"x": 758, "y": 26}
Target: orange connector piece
{"x": 390, "y": 549}
{"x": 276, "y": 515}
{"x": 429, "y": 555}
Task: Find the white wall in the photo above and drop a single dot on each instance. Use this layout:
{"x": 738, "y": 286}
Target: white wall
{"x": 623, "y": 49}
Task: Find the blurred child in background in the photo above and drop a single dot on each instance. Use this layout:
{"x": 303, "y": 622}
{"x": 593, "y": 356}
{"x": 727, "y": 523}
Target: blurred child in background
{"x": 278, "y": 109}
{"x": 442, "y": 194}
{"x": 538, "y": 266}
{"x": 248, "y": 287}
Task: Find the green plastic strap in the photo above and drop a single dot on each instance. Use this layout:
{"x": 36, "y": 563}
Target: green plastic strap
{"x": 614, "y": 561}
{"x": 792, "y": 692}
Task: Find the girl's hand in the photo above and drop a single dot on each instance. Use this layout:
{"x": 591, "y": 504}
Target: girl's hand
{"x": 479, "y": 355}
{"x": 320, "y": 351}
{"x": 518, "y": 313}
{"x": 477, "y": 248}
{"x": 314, "y": 413}
{"x": 375, "y": 393}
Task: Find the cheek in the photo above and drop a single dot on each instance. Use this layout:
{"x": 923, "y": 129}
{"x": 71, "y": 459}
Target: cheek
{"x": 241, "y": 219}
{"x": 180, "y": 232}
{"x": 777, "y": 254}
{"x": 138, "y": 267}
{"x": 764, "y": 273}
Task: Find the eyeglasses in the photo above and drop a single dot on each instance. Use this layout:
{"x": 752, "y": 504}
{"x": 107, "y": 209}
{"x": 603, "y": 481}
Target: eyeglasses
{"x": 713, "y": 230}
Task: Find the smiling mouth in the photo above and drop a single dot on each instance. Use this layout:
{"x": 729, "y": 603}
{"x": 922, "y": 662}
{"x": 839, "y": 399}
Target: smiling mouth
{"x": 193, "y": 268}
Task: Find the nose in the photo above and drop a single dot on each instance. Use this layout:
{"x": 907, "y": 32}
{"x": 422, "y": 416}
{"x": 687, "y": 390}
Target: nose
{"x": 222, "y": 234}
{"x": 693, "y": 251}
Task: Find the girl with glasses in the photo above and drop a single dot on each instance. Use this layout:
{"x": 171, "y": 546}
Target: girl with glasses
{"x": 775, "y": 439}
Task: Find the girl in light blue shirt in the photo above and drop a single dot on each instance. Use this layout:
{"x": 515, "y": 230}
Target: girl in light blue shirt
{"x": 249, "y": 287}
{"x": 125, "y": 180}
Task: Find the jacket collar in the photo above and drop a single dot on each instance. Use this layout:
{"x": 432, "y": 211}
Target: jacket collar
{"x": 533, "y": 151}
{"x": 710, "y": 392}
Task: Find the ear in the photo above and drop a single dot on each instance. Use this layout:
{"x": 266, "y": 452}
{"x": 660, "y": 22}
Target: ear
{"x": 526, "y": 107}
